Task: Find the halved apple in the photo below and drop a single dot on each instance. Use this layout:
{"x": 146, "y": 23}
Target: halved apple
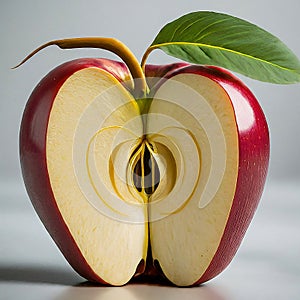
{"x": 178, "y": 182}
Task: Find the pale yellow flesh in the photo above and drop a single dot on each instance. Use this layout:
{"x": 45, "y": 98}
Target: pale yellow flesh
{"x": 94, "y": 126}
{"x": 185, "y": 242}
{"x": 112, "y": 248}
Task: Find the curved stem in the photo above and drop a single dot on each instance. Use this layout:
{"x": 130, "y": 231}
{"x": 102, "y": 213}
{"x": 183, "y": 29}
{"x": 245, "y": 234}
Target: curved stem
{"x": 145, "y": 56}
{"x": 110, "y": 44}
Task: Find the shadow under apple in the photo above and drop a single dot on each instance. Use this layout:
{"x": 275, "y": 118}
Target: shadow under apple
{"x": 39, "y": 274}
{"x": 77, "y": 288}
{"x": 142, "y": 291}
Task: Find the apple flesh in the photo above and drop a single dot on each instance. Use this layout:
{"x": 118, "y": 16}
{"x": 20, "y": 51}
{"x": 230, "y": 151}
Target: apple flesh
{"x": 205, "y": 240}
{"x": 120, "y": 193}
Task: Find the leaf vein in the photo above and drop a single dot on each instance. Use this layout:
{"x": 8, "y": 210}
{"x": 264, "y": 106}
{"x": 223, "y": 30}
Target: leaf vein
{"x": 200, "y": 45}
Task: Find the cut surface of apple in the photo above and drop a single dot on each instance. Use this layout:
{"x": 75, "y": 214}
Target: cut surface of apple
{"x": 91, "y": 134}
{"x": 198, "y": 117}
{"x": 82, "y": 118}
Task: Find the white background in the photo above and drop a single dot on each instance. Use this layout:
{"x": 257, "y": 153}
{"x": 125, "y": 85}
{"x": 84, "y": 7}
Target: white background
{"x": 267, "y": 264}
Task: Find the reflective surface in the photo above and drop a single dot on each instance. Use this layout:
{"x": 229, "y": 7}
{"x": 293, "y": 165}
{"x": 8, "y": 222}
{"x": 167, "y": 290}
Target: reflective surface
{"x": 267, "y": 265}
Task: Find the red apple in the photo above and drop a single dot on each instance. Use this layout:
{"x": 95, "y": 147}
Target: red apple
{"x": 119, "y": 188}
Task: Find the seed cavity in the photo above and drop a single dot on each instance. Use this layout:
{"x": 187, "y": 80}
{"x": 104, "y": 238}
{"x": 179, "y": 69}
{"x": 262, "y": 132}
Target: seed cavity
{"x": 145, "y": 171}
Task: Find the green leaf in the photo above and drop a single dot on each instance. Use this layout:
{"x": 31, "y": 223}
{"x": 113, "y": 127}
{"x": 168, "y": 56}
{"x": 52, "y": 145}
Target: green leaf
{"x": 210, "y": 38}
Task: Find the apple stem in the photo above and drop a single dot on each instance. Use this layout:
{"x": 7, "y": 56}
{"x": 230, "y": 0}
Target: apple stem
{"x": 144, "y": 58}
{"x": 110, "y": 44}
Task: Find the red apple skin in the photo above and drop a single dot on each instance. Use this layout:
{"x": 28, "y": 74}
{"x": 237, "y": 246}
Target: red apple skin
{"x": 254, "y": 151}
{"x": 253, "y": 157}
{"x": 33, "y": 155}
{"x": 155, "y": 72}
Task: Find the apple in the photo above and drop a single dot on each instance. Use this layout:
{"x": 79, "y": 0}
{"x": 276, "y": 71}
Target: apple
{"x": 153, "y": 170}
{"x": 206, "y": 138}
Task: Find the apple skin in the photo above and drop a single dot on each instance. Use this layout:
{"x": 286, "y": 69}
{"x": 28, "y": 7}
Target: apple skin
{"x": 155, "y": 72}
{"x": 253, "y": 157}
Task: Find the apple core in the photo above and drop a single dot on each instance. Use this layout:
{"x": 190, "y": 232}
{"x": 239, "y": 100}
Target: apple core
{"x": 146, "y": 175}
